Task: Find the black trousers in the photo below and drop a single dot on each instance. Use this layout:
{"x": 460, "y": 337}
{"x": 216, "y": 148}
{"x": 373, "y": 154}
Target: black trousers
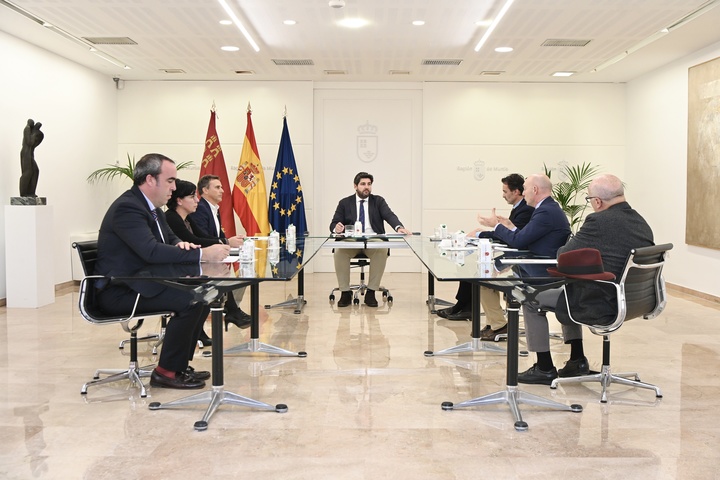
{"x": 182, "y": 330}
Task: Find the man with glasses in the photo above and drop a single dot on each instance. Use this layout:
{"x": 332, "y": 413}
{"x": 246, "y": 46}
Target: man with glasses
{"x": 614, "y": 229}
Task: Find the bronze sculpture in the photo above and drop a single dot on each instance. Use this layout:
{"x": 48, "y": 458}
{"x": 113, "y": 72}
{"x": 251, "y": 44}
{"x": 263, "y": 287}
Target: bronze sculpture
{"x": 32, "y": 137}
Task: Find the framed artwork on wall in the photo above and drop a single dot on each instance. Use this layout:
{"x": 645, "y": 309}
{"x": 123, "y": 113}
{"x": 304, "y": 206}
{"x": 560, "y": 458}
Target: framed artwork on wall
{"x": 702, "y": 226}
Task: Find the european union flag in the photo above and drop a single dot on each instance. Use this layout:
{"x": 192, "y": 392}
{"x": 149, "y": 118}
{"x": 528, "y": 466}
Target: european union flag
{"x": 286, "y": 197}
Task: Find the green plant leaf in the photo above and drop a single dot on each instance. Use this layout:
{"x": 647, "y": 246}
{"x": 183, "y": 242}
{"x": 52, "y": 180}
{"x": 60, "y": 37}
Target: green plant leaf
{"x": 113, "y": 171}
{"x": 566, "y": 193}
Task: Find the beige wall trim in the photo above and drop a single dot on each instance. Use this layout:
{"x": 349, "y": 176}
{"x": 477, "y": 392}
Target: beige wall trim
{"x": 688, "y": 291}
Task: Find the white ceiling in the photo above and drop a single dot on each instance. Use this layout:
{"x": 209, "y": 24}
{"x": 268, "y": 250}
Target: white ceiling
{"x": 186, "y": 35}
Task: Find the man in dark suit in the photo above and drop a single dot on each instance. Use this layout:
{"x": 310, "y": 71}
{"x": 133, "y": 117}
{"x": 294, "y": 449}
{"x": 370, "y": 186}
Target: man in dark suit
{"x": 614, "y": 229}
{"x": 207, "y": 220}
{"x": 512, "y": 192}
{"x": 371, "y": 211}
{"x": 134, "y": 235}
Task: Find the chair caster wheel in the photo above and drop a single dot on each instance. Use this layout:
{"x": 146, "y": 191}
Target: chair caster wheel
{"x": 521, "y": 426}
{"x": 447, "y": 405}
{"x": 356, "y": 301}
{"x": 332, "y": 298}
{"x": 390, "y": 299}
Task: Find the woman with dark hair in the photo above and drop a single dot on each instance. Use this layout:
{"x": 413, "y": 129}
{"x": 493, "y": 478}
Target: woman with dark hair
{"x": 182, "y": 203}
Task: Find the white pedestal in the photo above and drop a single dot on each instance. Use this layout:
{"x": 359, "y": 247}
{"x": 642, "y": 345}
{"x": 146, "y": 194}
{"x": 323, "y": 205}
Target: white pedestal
{"x": 30, "y": 272}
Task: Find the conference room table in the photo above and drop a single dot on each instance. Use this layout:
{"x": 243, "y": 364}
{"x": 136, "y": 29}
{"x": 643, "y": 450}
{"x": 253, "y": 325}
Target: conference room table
{"x": 503, "y": 276}
{"x": 210, "y": 283}
{"x": 289, "y": 265}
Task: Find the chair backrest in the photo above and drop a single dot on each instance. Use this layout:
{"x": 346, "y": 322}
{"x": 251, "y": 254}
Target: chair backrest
{"x": 87, "y": 251}
{"x": 644, "y": 287}
{"x": 640, "y": 291}
{"x": 88, "y": 305}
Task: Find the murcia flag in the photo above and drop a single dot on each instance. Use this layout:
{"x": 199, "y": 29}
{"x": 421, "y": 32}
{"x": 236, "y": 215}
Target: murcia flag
{"x": 249, "y": 194}
{"x": 213, "y": 163}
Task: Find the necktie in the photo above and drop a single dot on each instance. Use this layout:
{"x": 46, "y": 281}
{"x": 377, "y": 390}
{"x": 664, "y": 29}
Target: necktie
{"x": 155, "y": 217}
{"x": 361, "y": 217}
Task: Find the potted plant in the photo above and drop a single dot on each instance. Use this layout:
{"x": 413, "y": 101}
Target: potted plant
{"x": 566, "y": 192}
{"x": 111, "y": 171}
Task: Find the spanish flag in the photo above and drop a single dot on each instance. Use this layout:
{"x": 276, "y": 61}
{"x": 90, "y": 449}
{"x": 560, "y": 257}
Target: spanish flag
{"x": 213, "y": 163}
{"x": 249, "y": 193}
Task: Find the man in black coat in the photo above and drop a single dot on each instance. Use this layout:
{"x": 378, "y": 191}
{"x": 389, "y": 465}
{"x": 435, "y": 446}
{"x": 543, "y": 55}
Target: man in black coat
{"x": 372, "y": 211}
{"x": 512, "y": 192}
{"x": 134, "y": 235}
{"x": 614, "y": 229}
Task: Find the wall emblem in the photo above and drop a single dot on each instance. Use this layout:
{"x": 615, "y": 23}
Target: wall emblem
{"x": 479, "y": 170}
{"x": 367, "y": 142}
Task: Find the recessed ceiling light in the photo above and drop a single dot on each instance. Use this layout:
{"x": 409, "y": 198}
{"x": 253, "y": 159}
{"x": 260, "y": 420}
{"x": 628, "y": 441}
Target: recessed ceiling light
{"x": 504, "y": 49}
{"x": 225, "y": 22}
{"x": 289, "y": 22}
{"x": 563, "y": 74}
{"x": 353, "y": 22}
{"x": 418, "y": 23}
{"x": 229, "y": 48}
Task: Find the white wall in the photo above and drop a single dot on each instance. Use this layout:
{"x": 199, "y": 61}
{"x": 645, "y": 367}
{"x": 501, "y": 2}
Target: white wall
{"x": 77, "y": 109}
{"x": 374, "y": 128}
{"x": 657, "y": 115}
{"x": 477, "y": 133}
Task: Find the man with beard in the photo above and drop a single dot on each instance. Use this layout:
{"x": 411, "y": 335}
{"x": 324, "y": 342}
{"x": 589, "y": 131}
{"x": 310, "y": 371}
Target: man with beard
{"x": 371, "y": 211}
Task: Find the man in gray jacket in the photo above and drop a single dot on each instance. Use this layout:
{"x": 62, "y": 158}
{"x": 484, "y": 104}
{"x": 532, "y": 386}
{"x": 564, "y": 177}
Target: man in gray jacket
{"x": 614, "y": 229}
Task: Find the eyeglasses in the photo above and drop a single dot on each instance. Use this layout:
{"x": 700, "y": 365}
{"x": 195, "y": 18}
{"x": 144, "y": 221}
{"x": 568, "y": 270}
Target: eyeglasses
{"x": 588, "y": 198}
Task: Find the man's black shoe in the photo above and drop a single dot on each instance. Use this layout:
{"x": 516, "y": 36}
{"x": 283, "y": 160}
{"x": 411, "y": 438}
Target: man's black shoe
{"x": 197, "y": 374}
{"x": 345, "y": 299}
{"x": 461, "y": 315}
{"x": 370, "y": 298}
{"x": 575, "y": 368}
{"x": 536, "y": 376}
{"x": 181, "y": 381}
{"x": 444, "y": 312}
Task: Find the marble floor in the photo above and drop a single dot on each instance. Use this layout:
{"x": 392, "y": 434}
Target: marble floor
{"x": 364, "y": 404}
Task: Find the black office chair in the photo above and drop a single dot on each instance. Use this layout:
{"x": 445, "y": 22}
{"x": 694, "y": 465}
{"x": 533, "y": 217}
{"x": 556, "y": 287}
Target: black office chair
{"x": 89, "y": 310}
{"x": 361, "y": 261}
{"x": 640, "y": 293}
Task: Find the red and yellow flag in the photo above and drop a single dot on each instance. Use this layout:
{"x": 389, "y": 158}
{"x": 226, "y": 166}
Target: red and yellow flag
{"x": 213, "y": 163}
{"x": 249, "y": 193}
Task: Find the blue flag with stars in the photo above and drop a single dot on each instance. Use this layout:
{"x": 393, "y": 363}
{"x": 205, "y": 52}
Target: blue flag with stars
{"x": 286, "y": 197}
